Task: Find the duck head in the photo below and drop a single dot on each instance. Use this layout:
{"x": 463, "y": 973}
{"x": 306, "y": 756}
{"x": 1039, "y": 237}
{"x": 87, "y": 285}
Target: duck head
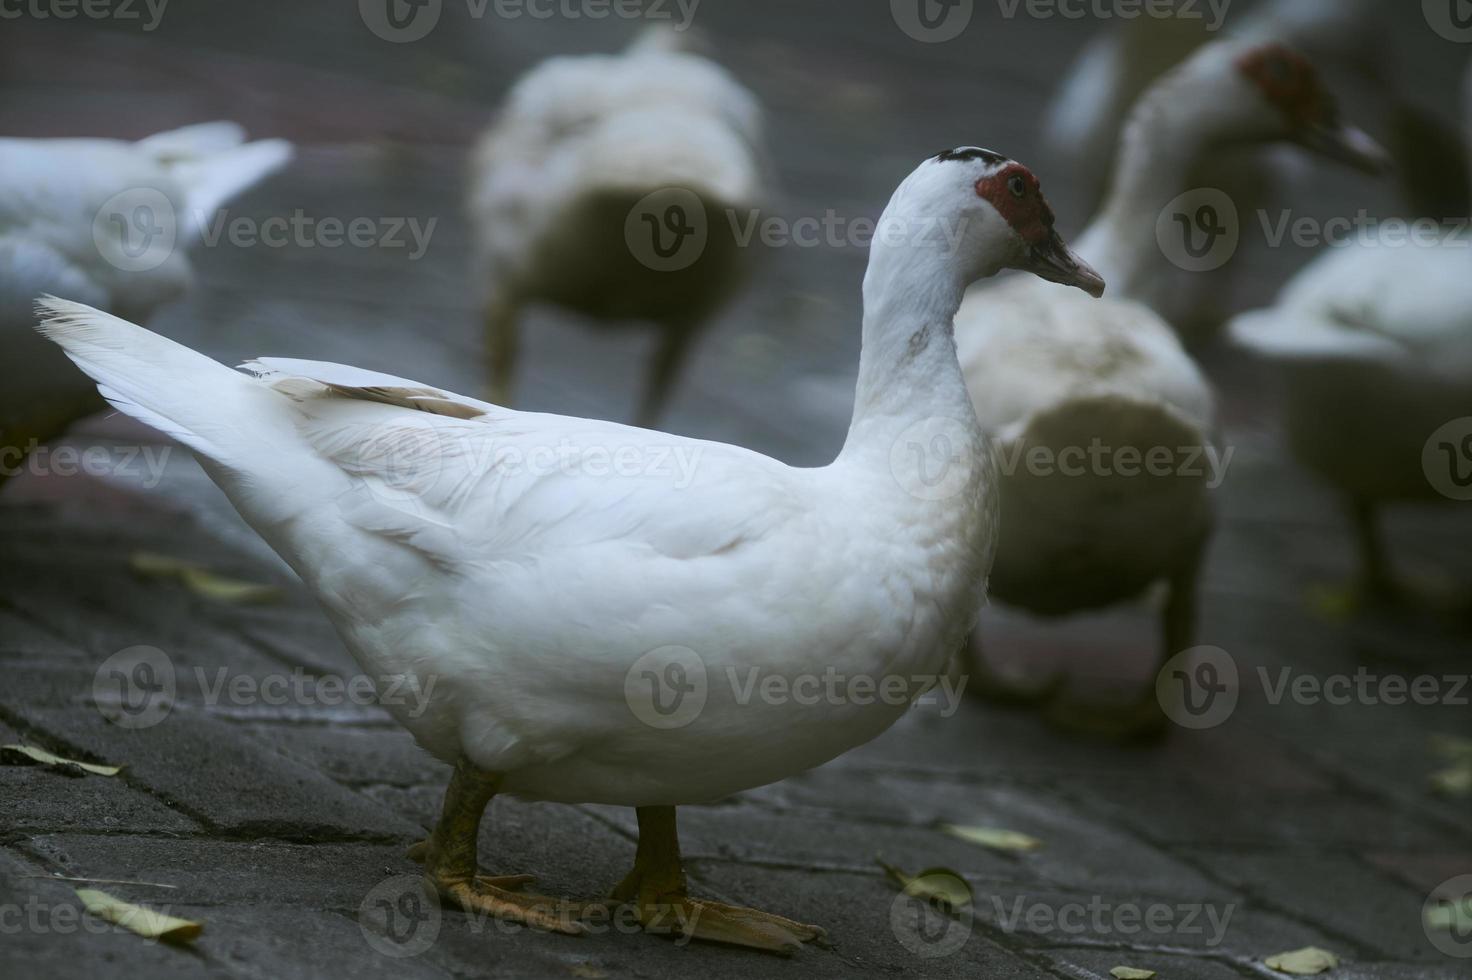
{"x": 980, "y": 213}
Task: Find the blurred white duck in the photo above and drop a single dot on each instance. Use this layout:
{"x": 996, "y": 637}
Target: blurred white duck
{"x": 1085, "y": 121}
{"x": 1375, "y": 343}
{"x": 561, "y": 209}
{"x": 104, "y": 222}
{"x": 532, "y": 602}
{"x": 1049, "y": 374}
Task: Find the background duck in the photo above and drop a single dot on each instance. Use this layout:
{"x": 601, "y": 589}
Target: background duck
{"x": 534, "y": 598}
{"x": 107, "y": 223}
{"x": 1049, "y": 374}
{"x": 1374, "y": 341}
{"x": 561, "y": 207}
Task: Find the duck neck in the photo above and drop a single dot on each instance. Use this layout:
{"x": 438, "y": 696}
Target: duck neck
{"x": 908, "y": 370}
{"x": 1157, "y": 150}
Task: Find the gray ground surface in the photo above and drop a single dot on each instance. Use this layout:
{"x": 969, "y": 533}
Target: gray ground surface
{"x": 283, "y": 826}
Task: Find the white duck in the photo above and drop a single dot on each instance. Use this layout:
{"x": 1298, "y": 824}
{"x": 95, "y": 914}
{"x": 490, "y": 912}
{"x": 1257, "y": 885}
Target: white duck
{"x": 561, "y": 209}
{"x": 531, "y": 598}
{"x": 1085, "y": 121}
{"x": 105, "y": 222}
{"x": 1375, "y": 344}
{"x": 1086, "y": 528}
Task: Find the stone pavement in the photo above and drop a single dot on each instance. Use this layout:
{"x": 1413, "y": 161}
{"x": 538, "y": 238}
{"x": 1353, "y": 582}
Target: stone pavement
{"x": 275, "y": 810}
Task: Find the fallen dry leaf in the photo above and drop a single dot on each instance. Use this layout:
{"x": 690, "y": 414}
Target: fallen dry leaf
{"x": 1452, "y": 916}
{"x": 994, "y": 838}
{"x": 147, "y": 923}
{"x": 1131, "y": 973}
{"x": 587, "y": 971}
{"x": 201, "y": 581}
{"x": 942, "y": 886}
{"x": 1303, "y": 962}
{"x": 25, "y": 755}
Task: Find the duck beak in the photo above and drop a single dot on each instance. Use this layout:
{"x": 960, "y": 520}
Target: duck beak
{"x": 1053, "y": 260}
{"x": 1349, "y": 145}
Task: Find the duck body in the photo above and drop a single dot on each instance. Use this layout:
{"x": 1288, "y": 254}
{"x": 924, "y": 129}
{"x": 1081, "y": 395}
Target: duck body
{"x": 56, "y": 237}
{"x": 1086, "y": 527}
{"x": 1375, "y": 348}
{"x": 560, "y": 198}
{"x": 523, "y": 635}
{"x": 523, "y": 574}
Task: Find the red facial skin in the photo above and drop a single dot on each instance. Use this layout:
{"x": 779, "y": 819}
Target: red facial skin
{"x": 1289, "y": 82}
{"x": 1027, "y": 212}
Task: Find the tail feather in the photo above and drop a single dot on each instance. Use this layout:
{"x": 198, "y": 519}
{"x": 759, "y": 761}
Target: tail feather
{"x": 196, "y": 400}
{"x": 213, "y": 163}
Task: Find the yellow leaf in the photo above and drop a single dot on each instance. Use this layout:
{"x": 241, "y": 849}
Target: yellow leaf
{"x": 1452, "y": 747}
{"x": 200, "y": 580}
{"x": 10, "y": 753}
{"x": 221, "y": 589}
{"x": 1451, "y": 915}
{"x": 1131, "y": 973}
{"x": 994, "y": 838}
{"x": 587, "y": 971}
{"x": 1303, "y": 962}
{"x": 1455, "y": 781}
{"x": 135, "y": 918}
{"x": 941, "y": 886}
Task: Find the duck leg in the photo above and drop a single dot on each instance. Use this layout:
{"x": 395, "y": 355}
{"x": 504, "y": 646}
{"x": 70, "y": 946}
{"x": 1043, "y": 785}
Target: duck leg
{"x": 674, "y": 345}
{"x": 1145, "y": 718}
{"x": 503, "y": 341}
{"x": 449, "y": 858}
{"x": 657, "y": 889}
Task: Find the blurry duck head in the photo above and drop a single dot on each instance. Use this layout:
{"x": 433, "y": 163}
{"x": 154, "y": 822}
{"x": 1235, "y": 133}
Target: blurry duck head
{"x": 976, "y": 213}
{"x": 1264, "y": 93}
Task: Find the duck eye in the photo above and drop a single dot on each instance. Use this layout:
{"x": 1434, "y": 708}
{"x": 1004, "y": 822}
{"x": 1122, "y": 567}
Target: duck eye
{"x": 1016, "y": 185}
